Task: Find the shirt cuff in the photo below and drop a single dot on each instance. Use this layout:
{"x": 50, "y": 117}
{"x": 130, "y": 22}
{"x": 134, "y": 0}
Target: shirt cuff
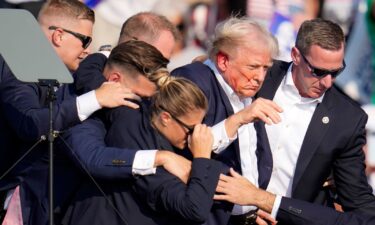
{"x": 87, "y": 104}
{"x": 276, "y": 206}
{"x": 144, "y": 161}
{"x": 221, "y": 139}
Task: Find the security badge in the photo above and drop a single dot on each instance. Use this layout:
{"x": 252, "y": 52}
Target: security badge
{"x": 325, "y": 120}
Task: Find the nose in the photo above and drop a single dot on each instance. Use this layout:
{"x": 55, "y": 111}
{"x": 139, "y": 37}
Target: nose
{"x": 261, "y": 75}
{"x": 327, "y": 81}
{"x": 87, "y": 51}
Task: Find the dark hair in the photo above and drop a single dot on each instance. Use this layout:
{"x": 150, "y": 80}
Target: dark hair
{"x": 71, "y": 9}
{"x": 320, "y": 32}
{"x": 147, "y": 25}
{"x": 137, "y": 56}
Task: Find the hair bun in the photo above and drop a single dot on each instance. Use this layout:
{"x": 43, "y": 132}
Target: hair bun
{"x": 161, "y": 77}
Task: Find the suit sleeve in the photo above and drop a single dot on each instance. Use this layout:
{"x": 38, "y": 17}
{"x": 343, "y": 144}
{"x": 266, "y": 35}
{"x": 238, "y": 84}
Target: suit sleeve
{"x": 89, "y": 75}
{"x": 355, "y": 194}
{"x": 192, "y": 201}
{"x": 22, "y": 107}
{"x": 296, "y": 212}
{"x": 88, "y": 149}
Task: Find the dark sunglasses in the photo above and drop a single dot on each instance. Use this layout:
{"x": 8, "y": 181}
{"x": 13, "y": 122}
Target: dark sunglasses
{"x": 190, "y": 129}
{"x": 322, "y": 72}
{"x": 86, "y": 40}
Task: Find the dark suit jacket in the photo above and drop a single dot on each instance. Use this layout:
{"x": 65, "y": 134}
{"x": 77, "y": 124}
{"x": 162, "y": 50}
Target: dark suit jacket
{"x": 335, "y": 146}
{"x": 89, "y": 75}
{"x": 156, "y": 199}
{"x": 25, "y": 112}
{"x": 8, "y": 137}
{"x": 219, "y": 108}
{"x": 88, "y": 149}
{"x": 296, "y": 212}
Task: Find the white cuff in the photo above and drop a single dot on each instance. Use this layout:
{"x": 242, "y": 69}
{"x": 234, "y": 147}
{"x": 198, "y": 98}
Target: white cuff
{"x": 8, "y": 198}
{"x": 221, "y": 139}
{"x": 276, "y": 206}
{"x": 87, "y": 104}
{"x": 144, "y": 161}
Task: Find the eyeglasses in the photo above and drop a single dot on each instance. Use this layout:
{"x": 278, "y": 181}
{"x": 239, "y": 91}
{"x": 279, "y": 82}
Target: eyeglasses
{"x": 86, "y": 40}
{"x": 190, "y": 129}
{"x": 323, "y": 72}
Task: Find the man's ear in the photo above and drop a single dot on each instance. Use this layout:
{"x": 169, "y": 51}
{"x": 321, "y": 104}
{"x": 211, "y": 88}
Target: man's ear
{"x": 57, "y": 37}
{"x": 114, "y": 76}
{"x": 222, "y": 60}
{"x": 296, "y": 56}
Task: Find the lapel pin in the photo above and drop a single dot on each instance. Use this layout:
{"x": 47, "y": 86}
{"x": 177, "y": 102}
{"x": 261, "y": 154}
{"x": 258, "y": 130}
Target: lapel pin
{"x": 325, "y": 120}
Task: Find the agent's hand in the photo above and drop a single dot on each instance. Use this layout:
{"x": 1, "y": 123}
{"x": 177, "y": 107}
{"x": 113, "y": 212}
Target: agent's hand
{"x": 113, "y": 94}
{"x": 265, "y": 218}
{"x": 200, "y": 142}
{"x": 237, "y": 189}
{"x": 173, "y": 163}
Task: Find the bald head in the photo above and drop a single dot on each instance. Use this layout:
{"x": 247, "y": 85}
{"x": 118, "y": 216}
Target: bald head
{"x": 151, "y": 28}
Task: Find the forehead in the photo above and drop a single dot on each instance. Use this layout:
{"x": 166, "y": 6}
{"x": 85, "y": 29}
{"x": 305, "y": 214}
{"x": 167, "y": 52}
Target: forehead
{"x": 81, "y": 26}
{"x": 324, "y": 58}
{"x": 193, "y": 117}
{"x": 253, "y": 54}
{"x": 165, "y": 43}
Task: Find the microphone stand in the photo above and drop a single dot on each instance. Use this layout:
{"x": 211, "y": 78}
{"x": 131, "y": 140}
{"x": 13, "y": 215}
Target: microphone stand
{"x": 51, "y": 97}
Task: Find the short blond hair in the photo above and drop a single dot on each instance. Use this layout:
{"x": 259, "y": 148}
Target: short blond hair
{"x": 66, "y": 9}
{"x": 236, "y": 33}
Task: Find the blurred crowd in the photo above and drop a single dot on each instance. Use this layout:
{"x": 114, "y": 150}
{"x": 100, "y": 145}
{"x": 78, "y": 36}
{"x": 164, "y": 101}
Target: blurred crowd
{"x": 196, "y": 21}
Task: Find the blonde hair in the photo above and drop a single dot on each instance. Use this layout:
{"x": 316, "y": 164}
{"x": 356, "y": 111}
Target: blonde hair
{"x": 178, "y": 96}
{"x": 66, "y": 9}
{"x": 236, "y": 33}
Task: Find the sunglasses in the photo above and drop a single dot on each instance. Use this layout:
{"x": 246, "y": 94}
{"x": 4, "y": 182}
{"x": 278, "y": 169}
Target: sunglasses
{"x": 86, "y": 40}
{"x": 322, "y": 72}
{"x": 190, "y": 129}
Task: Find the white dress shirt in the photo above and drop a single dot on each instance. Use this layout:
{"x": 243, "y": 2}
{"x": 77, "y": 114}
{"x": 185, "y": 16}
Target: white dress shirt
{"x": 286, "y": 137}
{"x": 87, "y": 104}
{"x": 246, "y": 137}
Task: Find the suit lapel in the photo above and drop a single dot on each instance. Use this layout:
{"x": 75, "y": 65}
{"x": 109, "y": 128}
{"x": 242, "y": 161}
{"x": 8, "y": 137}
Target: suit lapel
{"x": 263, "y": 152}
{"x": 315, "y": 133}
{"x": 264, "y": 155}
{"x": 223, "y": 96}
{"x": 273, "y": 80}
{"x": 228, "y": 111}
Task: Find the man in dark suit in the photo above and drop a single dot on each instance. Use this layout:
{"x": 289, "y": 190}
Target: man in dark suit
{"x": 68, "y": 26}
{"x": 239, "y": 190}
{"x": 87, "y": 139}
{"x": 322, "y": 130}
{"x": 241, "y": 53}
